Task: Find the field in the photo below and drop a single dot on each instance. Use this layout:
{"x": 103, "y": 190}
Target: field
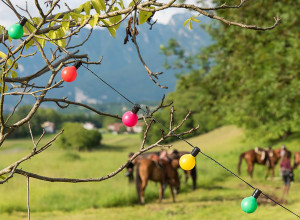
{"x": 218, "y": 195}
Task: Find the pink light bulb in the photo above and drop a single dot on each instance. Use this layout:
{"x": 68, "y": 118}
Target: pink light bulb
{"x": 129, "y": 119}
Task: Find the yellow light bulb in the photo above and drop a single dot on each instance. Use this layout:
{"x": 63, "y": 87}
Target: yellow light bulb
{"x": 187, "y": 162}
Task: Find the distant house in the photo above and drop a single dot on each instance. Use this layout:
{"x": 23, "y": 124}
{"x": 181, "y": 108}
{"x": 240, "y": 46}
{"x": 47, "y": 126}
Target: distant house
{"x": 117, "y": 128}
{"x": 136, "y": 129}
{"x": 89, "y": 126}
{"x": 49, "y": 127}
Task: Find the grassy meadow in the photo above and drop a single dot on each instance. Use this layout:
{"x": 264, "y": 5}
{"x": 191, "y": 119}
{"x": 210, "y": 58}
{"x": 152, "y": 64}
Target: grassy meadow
{"x": 218, "y": 195}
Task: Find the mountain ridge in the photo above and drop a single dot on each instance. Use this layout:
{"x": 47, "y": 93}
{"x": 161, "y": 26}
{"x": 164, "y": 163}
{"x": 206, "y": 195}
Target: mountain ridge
{"x": 121, "y": 66}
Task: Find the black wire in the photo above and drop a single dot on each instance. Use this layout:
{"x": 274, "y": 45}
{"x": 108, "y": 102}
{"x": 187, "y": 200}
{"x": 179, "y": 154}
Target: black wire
{"x": 108, "y": 85}
{"x": 280, "y": 204}
{"x": 227, "y": 169}
{"x": 166, "y": 126}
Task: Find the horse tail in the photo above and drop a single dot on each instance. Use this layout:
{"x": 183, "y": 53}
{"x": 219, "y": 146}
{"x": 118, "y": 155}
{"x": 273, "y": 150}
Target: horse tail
{"x": 138, "y": 181}
{"x": 240, "y": 162}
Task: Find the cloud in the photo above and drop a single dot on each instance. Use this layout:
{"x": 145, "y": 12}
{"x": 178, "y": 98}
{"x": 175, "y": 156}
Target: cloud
{"x": 21, "y": 68}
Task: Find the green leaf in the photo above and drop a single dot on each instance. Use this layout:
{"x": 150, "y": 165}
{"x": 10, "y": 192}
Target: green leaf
{"x": 79, "y": 9}
{"x": 2, "y": 55}
{"x": 60, "y": 33}
{"x": 1, "y": 29}
{"x": 75, "y": 16}
{"x": 144, "y": 15}
{"x": 112, "y": 30}
{"x": 121, "y": 3}
{"x": 190, "y": 25}
{"x": 36, "y": 20}
{"x": 87, "y": 7}
{"x": 52, "y": 34}
{"x": 65, "y": 24}
{"x": 30, "y": 28}
{"x": 194, "y": 19}
{"x": 186, "y": 21}
{"x": 3, "y": 177}
{"x": 94, "y": 20}
{"x": 13, "y": 74}
{"x": 29, "y": 44}
{"x": 132, "y": 3}
{"x": 83, "y": 19}
{"x": 115, "y": 19}
{"x": 62, "y": 43}
{"x": 41, "y": 41}
{"x": 99, "y": 5}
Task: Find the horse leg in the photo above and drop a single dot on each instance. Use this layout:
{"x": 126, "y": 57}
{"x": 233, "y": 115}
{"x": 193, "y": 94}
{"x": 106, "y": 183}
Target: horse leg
{"x": 161, "y": 191}
{"x": 273, "y": 172}
{"x": 142, "y": 192}
{"x": 250, "y": 170}
{"x": 267, "y": 174}
{"x": 186, "y": 175}
{"x": 194, "y": 177}
{"x": 172, "y": 192}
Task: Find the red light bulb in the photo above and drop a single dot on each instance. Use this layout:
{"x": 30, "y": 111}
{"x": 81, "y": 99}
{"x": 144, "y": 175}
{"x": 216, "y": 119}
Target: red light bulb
{"x": 69, "y": 74}
{"x": 130, "y": 118}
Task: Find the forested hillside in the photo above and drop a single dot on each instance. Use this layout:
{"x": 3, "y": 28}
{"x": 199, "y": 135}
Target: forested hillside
{"x": 246, "y": 78}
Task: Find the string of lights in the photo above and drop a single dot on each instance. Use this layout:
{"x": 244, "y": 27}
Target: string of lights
{"x": 187, "y": 161}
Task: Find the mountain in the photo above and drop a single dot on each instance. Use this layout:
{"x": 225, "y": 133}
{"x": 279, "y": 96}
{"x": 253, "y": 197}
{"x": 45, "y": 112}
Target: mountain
{"x": 121, "y": 66}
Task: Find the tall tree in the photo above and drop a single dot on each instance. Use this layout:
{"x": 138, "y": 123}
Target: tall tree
{"x": 253, "y": 78}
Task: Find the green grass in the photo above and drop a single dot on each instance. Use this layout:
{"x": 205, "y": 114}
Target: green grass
{"x": 218, "y": 195}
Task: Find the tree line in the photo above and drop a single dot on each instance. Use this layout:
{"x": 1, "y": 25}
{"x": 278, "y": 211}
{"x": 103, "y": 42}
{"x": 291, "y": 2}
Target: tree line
{"x": 49, "y": 114}
{"x": 250, "y": 79}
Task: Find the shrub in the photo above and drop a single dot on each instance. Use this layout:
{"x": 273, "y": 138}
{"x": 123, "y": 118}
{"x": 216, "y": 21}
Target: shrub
{"x": 75, "y": 137}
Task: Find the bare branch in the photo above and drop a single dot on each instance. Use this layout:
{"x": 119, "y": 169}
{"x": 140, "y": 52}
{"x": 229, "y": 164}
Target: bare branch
{"x": 64, "y": 100}
{"x": 28, "y": 206}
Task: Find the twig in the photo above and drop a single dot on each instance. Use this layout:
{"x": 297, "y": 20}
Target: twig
{"x": 28, "y": 207}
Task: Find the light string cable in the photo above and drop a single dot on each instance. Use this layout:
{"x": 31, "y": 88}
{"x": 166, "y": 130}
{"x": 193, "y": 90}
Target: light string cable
{"x": 127, "y": 99}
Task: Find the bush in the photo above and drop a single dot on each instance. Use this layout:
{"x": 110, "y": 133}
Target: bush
{"x": 75, "y": 137}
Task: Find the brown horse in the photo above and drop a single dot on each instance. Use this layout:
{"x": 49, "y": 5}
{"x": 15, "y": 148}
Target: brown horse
{"x": 173, "y": 154}
{"x": 147, "y": 169}
{"x": 296, "y": 159}
{"x": 263, "y": 157}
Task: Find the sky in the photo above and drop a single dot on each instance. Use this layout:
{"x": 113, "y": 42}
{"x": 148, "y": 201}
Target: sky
{"x": 8, "y": 18}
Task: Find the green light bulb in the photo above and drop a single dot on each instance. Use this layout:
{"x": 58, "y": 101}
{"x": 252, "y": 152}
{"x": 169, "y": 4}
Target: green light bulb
{"x": 249, "y": 204}
{"x": 16, "y": 31}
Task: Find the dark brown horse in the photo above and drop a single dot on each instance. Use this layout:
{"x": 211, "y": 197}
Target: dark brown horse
{"x": 173, "y": 154}
{"x": 296, "y": 159}
{"x": 147, "y": 169}
{"x": 260, "y": 156}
